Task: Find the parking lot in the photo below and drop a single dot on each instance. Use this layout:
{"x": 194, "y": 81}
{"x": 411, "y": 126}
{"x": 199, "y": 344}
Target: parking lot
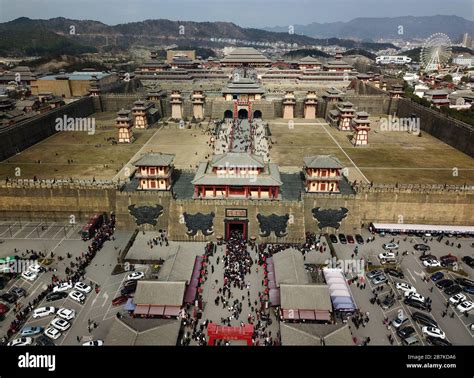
{"x": 61, "y": 240}
{"x": 454, "y": 324}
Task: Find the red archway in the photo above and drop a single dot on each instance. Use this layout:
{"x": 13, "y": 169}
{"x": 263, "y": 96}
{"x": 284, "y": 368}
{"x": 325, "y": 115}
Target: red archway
{"x": 229, "y": 333}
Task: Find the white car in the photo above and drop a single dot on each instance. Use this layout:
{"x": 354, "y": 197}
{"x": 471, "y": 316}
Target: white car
{"x": 41, "y": 312}
{"x": 82, "y": 287}
{"x": 60, "y": 324}
{"x": 433, "y": 332}
{"x": 465, "y": 306}
{"x": 63, "y": 286}
{"x": 94, "y": 343}
{"x": 29, "y": 276}
{"x": 22, "y": 341}
{"x": 66, "y": 313}
{"x": 390, "y": 246}
{"x": 35, "y": 268}
{"x": 77, "y": 296}
{"x": 386, "y": 255}
{"x": 456, "y": 299}
{"x": 52, "y": 333}
{"x": 135, "y": 276}
{"x": 405, "y": 287}
{"x": 415, "y": 296}
{"x": 431, "y": 263}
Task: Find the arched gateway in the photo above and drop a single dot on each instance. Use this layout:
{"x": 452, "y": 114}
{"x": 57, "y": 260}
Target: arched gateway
{"x": 229, "y": 333}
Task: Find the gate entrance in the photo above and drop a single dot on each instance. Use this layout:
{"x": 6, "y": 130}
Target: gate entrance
{"x": 216, "y": 332}
{"x": 236, "y": 225}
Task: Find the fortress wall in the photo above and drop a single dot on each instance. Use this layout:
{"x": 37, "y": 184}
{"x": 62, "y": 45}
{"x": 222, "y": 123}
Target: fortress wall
{"x": 24, "y": 134}
{"x": 453, "y": 132}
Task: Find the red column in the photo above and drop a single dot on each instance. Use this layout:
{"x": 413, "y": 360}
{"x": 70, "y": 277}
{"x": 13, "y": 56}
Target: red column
{"x": 259, "y": 192}
{"x": 214, "y": 190}
{"x": 196, "y": 191}
{"x": 227, "y": 191}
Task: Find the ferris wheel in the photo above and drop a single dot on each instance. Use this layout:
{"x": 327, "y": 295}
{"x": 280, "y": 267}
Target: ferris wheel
{"x": 435, "y": 52}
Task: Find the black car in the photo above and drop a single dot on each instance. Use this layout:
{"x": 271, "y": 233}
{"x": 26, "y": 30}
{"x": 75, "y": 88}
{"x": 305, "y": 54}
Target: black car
{"x": 437, "y": 341}
{"x": 443, "y": 284}
{"x": 55, "y": 296}
{"x": 342, "y": 239}
{"x": 44, "y": 341}
{"x": 468, "y": 260}
{"x": 130, "y": 283}
{"x": 394, "y": 272}
{"x": 452, "y": 290}
{"x": 464, "y": 281}
{"x": 9, "y": 297}
{"x": 417, "y": 304}
{"x": 359, "y": 239}
{"x": 422, "y": 247}
{"x": 333, "y": 238}
{"x": 424, "y": 319}
{"x": 424, "y": 257}
{"x": 18, "y": 291}
{"x": 406, "y": 332}
{"x": 128, "y": 290}
{"x": 388, "y": 302}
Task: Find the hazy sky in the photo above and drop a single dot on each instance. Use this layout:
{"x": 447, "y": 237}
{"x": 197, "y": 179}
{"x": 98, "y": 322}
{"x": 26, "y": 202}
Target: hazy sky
{"x": 251, "y": 13}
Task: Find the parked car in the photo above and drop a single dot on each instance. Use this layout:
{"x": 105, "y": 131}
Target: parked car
{"x": 4, "y": 309}
{"x": 342, "y": 239}
{"x": 433, "y": 332}
{"x": 424, "y": 257}
{"x": 66, "y": 313}
{"x": 373, "y": 273}
{"x": 61, "y": 324}
{"x": 41, "y": 312}
{"x": 133, "y": 283}
{"x": 464, "y": 281}
{"x": 469, "y": 261}
{"x": 135, "y": 276}
{"x": 431, "y": 263}
{"x": 390, "y": 246}
{"x": 453, "y": 289}
{"x": 437, "y": 276}
{"x": 32, "y": 331}
{"x": 386, "y": 255}
{"x": 56, "y": 296}
{"x": 333, "y": 238}
{"x": 458, "y": 298}
{"x": 94, "y": 343}
{"x": 36, "y": 268}
{"x": 9, "y": 297}
{"x": 444, "y": 283}
{"x": 63, "y": 286}
{"x": 350, "y": 239}
{"x": 77, "y": 296}
{"x": 44, "y": 341}
{"x": 405, "y": 287}
{"x": 19, "y": 292}
{"x": 380, "y": 279}
{"x": 119, "y": 300}
{"x": 415, "y": 296}
{"x": 436, "y": 341}
{"x": 127, "y": 290}
{"x": 22, "y": 341}
{"x": 388, "y": 302}
{"x": 394, "y": 272}
{"x": 412, "y": 340}
{"x": 359, "y": 239}
{"x": 406, "y": 332}
{"x": 468, "y": 289}
{"x": 448, "y": 260}
{"x": 422, "y": 247}
{"x": 417, "y": 304}
{"x": 82, "y": 287}
{"x": 29, "y": 276}
{"x": 399, "y": 320}
{"x": 424, "y": 319}
{"x": 465, "y": 306}
{"x": 52, "y": 333}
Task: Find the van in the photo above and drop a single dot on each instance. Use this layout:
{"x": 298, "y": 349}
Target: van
{"x": 412, "y": 340}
